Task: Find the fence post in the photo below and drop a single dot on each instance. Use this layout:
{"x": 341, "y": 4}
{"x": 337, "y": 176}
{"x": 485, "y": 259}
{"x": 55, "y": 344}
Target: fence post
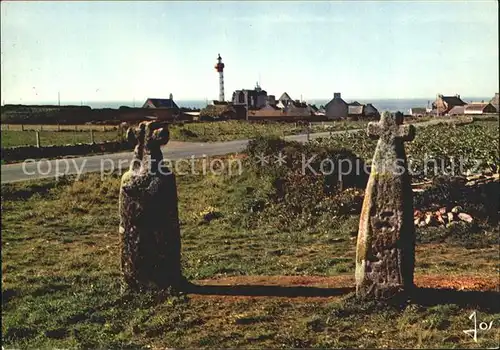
{"x": 37, "y": 133}
{"x": 41, "y": 127}
{"x": 92, "y": 136}
{"x": 22, "y": 127}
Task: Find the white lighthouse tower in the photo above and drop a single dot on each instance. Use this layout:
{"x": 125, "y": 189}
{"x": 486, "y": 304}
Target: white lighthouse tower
{"x": 219, "y": 67}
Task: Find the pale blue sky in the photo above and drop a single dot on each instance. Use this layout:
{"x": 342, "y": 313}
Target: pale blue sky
{"x": 118, "y": 51}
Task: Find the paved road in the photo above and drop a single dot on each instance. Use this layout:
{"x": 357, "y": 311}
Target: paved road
{"x": 116, "y": 161}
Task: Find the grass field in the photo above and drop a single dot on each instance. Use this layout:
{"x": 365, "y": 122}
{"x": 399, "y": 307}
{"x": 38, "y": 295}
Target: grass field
{"x": 196, "y": 132}
{"x": 24, "y": 138}
{"x": 61, "y": 284}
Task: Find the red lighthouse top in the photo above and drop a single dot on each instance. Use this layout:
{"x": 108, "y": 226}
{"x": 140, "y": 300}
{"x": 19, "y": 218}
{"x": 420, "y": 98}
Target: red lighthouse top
{"x": 219, "y": 67}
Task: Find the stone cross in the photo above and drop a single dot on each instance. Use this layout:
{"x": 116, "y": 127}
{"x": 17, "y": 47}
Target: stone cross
{"x": 385, "y": 251}
{"x": 149, "y": 219}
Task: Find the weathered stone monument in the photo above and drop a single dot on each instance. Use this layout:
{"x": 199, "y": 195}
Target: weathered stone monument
{"x": 149, "y": 220}
{"x": 385, "y": 252}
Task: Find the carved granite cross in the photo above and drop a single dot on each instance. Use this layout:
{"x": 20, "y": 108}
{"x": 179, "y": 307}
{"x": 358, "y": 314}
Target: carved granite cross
{"x": 385, "y": 252}
{"x": 149, "y": 217}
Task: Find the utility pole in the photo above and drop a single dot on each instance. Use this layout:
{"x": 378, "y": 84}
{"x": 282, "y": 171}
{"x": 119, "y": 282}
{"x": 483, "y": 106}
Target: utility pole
{"x": 59, "y": 98}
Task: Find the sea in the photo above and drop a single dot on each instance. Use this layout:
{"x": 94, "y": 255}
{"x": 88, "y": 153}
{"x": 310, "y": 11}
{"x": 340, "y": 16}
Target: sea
{"x": 392, "y": 105}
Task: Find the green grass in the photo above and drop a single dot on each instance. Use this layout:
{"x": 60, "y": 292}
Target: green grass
{"x": 61, "y": 282}
{"x": 11, "y": 138}
{"x": 235, "y": 130}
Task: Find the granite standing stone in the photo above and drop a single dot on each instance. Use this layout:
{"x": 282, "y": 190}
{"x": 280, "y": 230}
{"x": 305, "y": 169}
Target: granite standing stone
{"x": 385, "y": 252}
{"x": 149, "y": 220}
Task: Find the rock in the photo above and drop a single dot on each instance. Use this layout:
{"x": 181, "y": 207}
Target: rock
{"x": 417, "y": 221}
{"x": 385, "y": 250}
{"x": 442, "y": 210}
{"x": 465, "y": 217}
{"x": 149, "y": 219}
{"x": 456, "y": 209}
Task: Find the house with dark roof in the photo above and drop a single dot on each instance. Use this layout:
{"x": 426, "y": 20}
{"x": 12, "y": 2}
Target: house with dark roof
{"x": 161, "y": 103}
{"x": 370, "y": 111}
{"x": 443, "y": 104}
{"x": 337, "y": 108}
{"x": 297, "y": 109}
{"x": 255, "y": 98}
{"x": 284, "y": 100}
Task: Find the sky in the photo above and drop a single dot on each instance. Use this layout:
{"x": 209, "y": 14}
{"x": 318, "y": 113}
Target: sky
{"x": 131, "y": 50}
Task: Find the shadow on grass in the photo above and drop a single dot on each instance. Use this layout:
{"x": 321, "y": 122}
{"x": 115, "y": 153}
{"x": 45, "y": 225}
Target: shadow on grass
{"x": 489, "y": 300}
{"x": 269, "y": 291}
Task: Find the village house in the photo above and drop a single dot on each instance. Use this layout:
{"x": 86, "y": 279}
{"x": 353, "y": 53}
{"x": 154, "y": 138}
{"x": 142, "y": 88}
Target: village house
{"x": 444, "y": 104}
{"x": 161, "y": 108}
{"x": 479, "y": 108}
{"x": 297, "y": 109}
{"x": 161, "y": 103}
{"x": 371, "y": 112}
{"x": 337, "y": 108}
{"x": 252, "y": 99}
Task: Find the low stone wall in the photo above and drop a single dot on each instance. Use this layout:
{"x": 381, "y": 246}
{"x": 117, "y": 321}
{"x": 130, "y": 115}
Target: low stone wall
{"x": 21, "y": 153}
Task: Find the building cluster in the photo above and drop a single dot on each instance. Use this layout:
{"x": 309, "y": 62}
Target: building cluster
{"x": 257, "y": 104}
{"x": 454, "y": 105}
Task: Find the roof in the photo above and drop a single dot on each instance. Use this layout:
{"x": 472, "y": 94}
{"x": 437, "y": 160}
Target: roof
{"x": 161, "y": 103}
{"x": 457, "y": 110}
{"x": 355, "y": 103}
{"x": 298, "y": 104}
{"x": 358, "y": 110}
{"x": 453, "y": 100}
{"x": 476, "y": 106}
{"x": 313, "y": 108}
{"x": 284, "y": 97}
{"x": 335, "y": 100}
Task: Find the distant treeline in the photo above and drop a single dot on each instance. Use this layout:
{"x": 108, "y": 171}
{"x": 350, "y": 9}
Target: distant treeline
{"x": 49, "y": 114}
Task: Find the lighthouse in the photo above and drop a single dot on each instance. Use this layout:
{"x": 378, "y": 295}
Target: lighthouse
{"x": 219, "y": 67}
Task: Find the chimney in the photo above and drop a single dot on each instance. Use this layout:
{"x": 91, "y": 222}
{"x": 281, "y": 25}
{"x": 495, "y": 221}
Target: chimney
{"x": 336, "y": 95}
{"x": 171, "y": 96}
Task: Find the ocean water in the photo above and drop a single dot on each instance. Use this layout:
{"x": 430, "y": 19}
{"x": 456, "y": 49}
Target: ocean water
{"x": 391, "y": 105}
